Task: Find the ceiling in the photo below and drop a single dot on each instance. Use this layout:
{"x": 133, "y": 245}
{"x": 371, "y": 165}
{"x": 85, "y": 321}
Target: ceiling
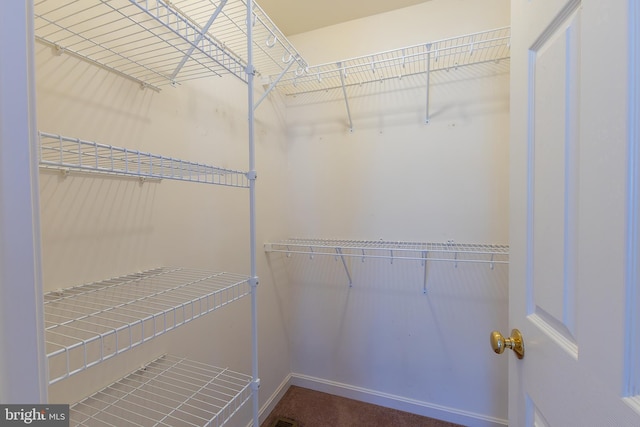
{"x": 299, "y": 16}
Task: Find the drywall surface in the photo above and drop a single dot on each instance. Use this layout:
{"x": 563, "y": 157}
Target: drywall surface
{"x": 426, "y": 22}
{"x": 95, "y": 227}
{"x": 447, "y": 180}
{"x": 396, "y": 178}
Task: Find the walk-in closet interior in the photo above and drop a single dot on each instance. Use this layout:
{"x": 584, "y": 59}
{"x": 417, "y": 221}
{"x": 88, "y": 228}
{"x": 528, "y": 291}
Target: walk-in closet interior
{"x": 223, "y": 210}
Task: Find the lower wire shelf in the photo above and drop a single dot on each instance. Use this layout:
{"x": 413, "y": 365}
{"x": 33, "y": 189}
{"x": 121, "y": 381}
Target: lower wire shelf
{"x": 169, "y": 391}
{"x": 446, "y": 252}
{"x": 342, "y": 249}
{"x": 88, "y": 324}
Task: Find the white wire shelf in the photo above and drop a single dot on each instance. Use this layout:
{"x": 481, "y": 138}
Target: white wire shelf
{"x": 68, "y": 153}
{"x": 445, "y": 54}
{"x": 159, "y": 42}
{"x": 447, "y": 252}
{"x": 87, "y": 324}
{"x": 169, "y": 391}
{"x": 450, "y": 252}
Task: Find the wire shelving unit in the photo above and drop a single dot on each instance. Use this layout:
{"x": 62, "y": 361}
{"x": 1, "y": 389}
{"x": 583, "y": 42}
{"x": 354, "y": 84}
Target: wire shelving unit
{"x": 445, "y": 54}
{"x": 67, "y": 153}
{"x": 161, "y": 42}
{"x": 410, "y": 62}
{"x": 447, "y": 252}
{"x": 155, "y": 43}
{"x": 87, "y": 324}
{"x": 169, "y": 391}
{"x": 402, "y": 251}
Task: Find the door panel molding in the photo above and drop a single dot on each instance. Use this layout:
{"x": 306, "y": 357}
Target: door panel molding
{"x": 560, "y": 19}
{"x": 555, "y": 330}
{"x": 534, "y": 416}
{"x": 553, "y": 174}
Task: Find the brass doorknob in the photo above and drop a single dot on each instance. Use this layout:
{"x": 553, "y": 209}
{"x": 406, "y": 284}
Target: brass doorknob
{"x": 514, "y": 342}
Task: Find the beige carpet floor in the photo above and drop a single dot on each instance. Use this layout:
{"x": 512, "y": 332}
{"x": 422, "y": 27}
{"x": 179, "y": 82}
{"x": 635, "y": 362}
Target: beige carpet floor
{"x": 311, "y": 408}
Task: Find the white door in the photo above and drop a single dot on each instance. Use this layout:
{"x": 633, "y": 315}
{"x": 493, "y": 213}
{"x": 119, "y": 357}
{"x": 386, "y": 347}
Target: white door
{"x": 575, "y": 244}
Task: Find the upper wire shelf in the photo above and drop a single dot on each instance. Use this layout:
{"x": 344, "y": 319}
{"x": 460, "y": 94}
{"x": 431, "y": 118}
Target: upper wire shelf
{"x": 160, "y": 42}
{"x": 452, "y": 252}
{"x": 169, "y": 391}
{"x": 88, "y": 324}
{"x": 445, "y": 54}
{"x": 67, "y": 153}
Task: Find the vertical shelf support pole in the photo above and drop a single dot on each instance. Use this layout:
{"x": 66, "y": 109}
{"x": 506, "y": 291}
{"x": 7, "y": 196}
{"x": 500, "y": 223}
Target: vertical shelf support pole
{"x": 255, "y": 384}
{"x": 346, "y": 99}
{"x": 428, "y": 65}
{"x": 344, "y": 264}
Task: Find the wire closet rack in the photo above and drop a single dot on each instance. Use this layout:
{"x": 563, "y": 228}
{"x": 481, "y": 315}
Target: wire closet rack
{"x": 448, "y": 252}
{"x": 160, "y": 42}
{"x": 410, "y": 63}
{"x": 87, "y": 324}
{"x": 169, "y": 391}
{"x": 403, "y": 251}
{"x": 154, "y": 43}
{"x": 66, "y": 153}
{"x": 446, "y": 54}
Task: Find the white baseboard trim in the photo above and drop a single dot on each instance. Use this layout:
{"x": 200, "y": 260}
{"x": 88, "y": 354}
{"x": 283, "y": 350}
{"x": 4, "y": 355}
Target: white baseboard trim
{"x": 273, "y": 400}
{"x": 426, "y": 409}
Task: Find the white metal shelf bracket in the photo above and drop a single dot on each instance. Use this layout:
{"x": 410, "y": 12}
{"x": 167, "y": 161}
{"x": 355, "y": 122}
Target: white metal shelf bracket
{"x": 275, "y": 82}
{"x": 198, "y": 39}
{"x": 344, "y": 263}
{"x": 342, "y": 73}
{"x": 182, "y": 27}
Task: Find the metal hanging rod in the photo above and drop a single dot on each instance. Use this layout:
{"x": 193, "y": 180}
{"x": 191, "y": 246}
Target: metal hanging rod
{"x": 168, "y": 391}
{"x": 157, "y": 42}
{"x": 88, "y": 324}
{"x": 75, "y": 154}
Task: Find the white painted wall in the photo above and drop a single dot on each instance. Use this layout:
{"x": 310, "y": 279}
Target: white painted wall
{"x": 428, "y": 21}
{"x": 395, "y": 178}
